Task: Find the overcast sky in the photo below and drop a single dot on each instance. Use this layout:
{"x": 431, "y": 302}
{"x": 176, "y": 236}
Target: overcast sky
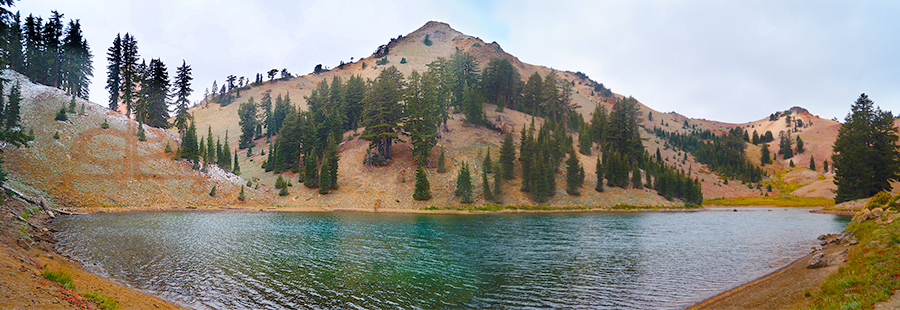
{"x": 733, "y": 61}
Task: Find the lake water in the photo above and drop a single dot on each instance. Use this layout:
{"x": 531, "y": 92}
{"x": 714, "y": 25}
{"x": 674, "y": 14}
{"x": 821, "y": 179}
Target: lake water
{"x": 275, "y": 260}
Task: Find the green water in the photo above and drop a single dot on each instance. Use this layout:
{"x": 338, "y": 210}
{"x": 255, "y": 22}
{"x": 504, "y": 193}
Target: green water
{"x": 272, "y": 260}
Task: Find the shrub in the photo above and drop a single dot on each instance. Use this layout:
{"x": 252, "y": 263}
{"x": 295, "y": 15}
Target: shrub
{"x": 879, "y": 200}
{"x": 56, "y": 135}
{"x": 427, "y": 41}
{"x": 283, "y": 191}
{"x": 212, "y": 192}
{"x": 105, "y": 302}
{"x": 382, "y": 61}
{"x": 61, "y": 115}
{"x": 476, "y": 44}
{"x": 105, "y": 125}
{"x": 403, "y": 60}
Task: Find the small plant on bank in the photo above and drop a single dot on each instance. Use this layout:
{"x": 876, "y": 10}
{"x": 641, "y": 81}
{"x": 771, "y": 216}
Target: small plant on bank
{"x": 212, "y": 192}
{"x": 56, "y": 135}
{"x": 102, "y": 300}
{"x": 142, "y": 136}
{"x": 61, "y": 115}
{"x": 105, "y": 124}
{"x": 60, "y": 277}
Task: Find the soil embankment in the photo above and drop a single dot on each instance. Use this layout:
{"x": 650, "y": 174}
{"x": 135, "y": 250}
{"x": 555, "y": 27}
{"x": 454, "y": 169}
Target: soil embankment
{"x": 26, "y": 253}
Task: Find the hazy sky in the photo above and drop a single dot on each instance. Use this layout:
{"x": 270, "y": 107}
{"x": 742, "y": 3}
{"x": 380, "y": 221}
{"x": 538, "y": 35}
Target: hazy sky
{"x": 733, "y": 61}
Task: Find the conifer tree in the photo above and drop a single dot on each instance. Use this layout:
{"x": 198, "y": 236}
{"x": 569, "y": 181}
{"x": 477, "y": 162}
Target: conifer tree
{"x": 825, "y": 166}
{"x": 189, "y": 147}
{"x": 182, "y": 89}
{"x": 800, "y": 149}
{"x": 636, "y": 178}
{"x": 792, "y": 163}
{"x": 12, "y": 109}
{"x": 225, "y": 159}
{"x": 241, "y": 196}
{"x": 383, "y": 112}
{"x": 539, "y": 187}
{"x": 72, "y": 105}
{"x": 331, "y": 159}
{"x": 464, "y": 185}
{"x": 486, "y": 187}
{"x": 574, "y": 174}
{"x": 507, "y": 157}
{"x": 487, "y": 162}
{"x": 310, "y": 171}
{"x": 866, "y": 157}
{"x": 442, "y": 165}
{"x": 600, "y": 174}
{"x": 766, "y": 158}
{"x": 212, "y": 192}
{"x": 247, "y": 114}
{"x": 423, "y": 188}
{"x": 129, "y": 72}
{"x": 237, "y": 167}
{"x": 141, "y": 134}
{"x": 585, "y": 141}
{"x": 812, "y": 163}
{"x": 210, "y": 147}
{"x": 423, "y": 98}
{"x": 526, "y": 157}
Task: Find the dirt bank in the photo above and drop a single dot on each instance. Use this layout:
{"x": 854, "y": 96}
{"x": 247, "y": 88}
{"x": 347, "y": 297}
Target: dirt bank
{"x": 27, "y": 252}
{"x": 785, "y": 288}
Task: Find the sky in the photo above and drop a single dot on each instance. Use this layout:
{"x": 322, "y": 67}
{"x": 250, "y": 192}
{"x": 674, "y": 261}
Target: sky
{"x": 731, "y": 61}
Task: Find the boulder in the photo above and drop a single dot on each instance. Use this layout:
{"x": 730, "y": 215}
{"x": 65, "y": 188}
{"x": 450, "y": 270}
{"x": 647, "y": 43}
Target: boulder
{"x": 861, "y": 216}
{"x": 876, "y": 213}
{"x": 817, "y": 261}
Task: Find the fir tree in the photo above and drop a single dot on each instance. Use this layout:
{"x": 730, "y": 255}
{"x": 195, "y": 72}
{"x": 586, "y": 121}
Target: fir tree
{"x": 311, "y": 171}
{"x": 766, "y": 158}
{"x": 792, "y": 163}
{"x": 800, "y": 149}
{"x": 210, "y": 147}
{"x": 636, "y": 178}
{"x": 61, "y": 115}
{"x": 141, "y": 134}
{"x": 585, "y": 141}
{"x": 825, "y": 166}
{"x": 182, "y": 89}
{"x": 600, "y": 174}
{"x": 423, "y": 188}
{"x": 189, "y": 148}
{"x": 247, "y": 114}
{"x": 866, "y": 157}
{"x": 331, "y": 159}
{"x": 812, "y": 163}
{"x": 574, "y": 175}
{"x": 237, "y": 168}
{"x": 383, "y": 112}
{"x": 72, "y": 105}
{"x": 212, "y": 192}
{"x": 464, "y": 185}
{"x": 540, "y": 188}
{"x": 12, "y": 109}
{"x": 507, "y": 157}
{"x": 487, "y": 162}
{"x": 241, "y": 196}
{"x": 441, "y": 166}
{"x": 486, "y": 187}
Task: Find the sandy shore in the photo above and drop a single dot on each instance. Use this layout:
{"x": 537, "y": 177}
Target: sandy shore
{"x": 784, "y": 288}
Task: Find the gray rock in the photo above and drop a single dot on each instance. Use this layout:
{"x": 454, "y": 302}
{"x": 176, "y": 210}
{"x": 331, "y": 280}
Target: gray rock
{"x": 817, "y": 261}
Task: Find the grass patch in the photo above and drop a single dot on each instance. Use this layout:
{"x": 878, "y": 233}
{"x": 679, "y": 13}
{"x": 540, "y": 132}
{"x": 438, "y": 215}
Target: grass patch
{"x": 871, "y": 274}
{"x": 60, "y": 277}
{"x": 103, "y": 301}
{"x": 788, "y": 201}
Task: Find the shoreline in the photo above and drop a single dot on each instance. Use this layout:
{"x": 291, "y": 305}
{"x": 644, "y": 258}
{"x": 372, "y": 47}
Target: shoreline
{"x": 473, "y": 211}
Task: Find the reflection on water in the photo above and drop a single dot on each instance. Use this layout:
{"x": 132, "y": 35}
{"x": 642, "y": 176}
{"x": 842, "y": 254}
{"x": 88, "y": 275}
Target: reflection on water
{"x": 271, "y": 260}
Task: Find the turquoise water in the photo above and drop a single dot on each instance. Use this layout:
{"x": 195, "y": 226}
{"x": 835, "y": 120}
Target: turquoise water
{"x": 274, "y": 260}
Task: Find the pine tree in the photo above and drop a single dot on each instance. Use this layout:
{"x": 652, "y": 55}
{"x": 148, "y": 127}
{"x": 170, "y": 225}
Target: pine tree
{"x": 247, "y": 114}
{"x": 825, "y": 166}
{"x": 540, "y": 188}
{"x": 241, "y": 196}
{"x": 507, "y": 157}
{"x": 487, "y": 167}
{"x": 237, "y": 168}
{"x": 210, "y": 147}
{"x": 792, "y": 164}
{"x": 866, "y": 157}
{"x": 142, "y": 136}
{"x": 423, "y": 188}
{"x": 189, "y": 147}
{"x": 800, "y": 149}
{"x": 486, "y": 187}
{"x": 585, "y": 141}
{"x": 12, "y": 109}
{"x": 225, "y": 159}
{"x": 311, "y": 171}
{"x": 332, "y": 159}
{"x": 441, "y": 166}
{"x": 766, "y": 158}
{"x": 182, "y": 89}
{"x": 212, "y": 192}
{"x": 600, "y": 174}
{"x": 574, "y": 174}
{"x": 464, "y": 185}
{"x": 812, "y": 163}
{"x": 129, "y": 72}
{"x": 636, "y": 182}
{"x": 383, "y": 113}
{"x": 72, "y": 105}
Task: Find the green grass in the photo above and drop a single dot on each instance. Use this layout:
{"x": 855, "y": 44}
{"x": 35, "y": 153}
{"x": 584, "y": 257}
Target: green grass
{"x": 871, "y": 274}
{"x": 60, "y": 277}
{"x": 789, "y": 201}
{"x": 103, "y": 301}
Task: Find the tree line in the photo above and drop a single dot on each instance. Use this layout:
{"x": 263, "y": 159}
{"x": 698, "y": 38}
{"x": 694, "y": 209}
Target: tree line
{"x": 52, "y": 53}
{"x": 722, "y": 154}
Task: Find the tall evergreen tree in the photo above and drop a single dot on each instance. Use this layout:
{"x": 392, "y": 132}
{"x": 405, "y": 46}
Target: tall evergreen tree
{"x": 237, "y": 167}
{"x": 442, "y": 165}
{"x": 310, "y": 171}
{"x": 585, "y": 141}
{"x": 800, "y": 149}
{"x": 129, "y": 72}
{"x": 154, "y": 95}
{"x": 486, "y": 187}
{"x": 507, "y": 157}
{"x": 332, "y": 158}
{"x": 574, "y": 174}
{"x": 422, "y": 106}
{"x": 114, "y": 72}
{"x": 464, "y": 185}
{"x": 210, "y": 147}
{"x": 866, "y": 156}
{"x": 383, "y": 112}
{"x": 189, "y": 147}
{"x": 785, "y": 145}
{"x": 812, "y": 163}
{"x": 182, "y": 90}
{"x": 636, "y": 178}
{"x": 248, "y": 121}
{"x": 423, "y": 188}
{"x": 75, "y": 62}
{"x": 600, "y": 174}
{"x": 766, "y": 157}
{"x": 498, "y": 188}
{"x": 486, "y": 164}
{"x": 12, "y": 109}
